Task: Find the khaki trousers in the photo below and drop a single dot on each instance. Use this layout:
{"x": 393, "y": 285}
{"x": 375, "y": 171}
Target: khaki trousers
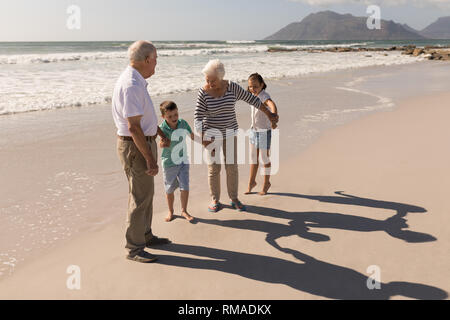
{"x": 140, "y": 194}
{"x": 231, "y": 172}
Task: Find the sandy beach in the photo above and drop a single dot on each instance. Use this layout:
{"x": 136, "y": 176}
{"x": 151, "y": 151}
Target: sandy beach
{"x": 366, "y": 188}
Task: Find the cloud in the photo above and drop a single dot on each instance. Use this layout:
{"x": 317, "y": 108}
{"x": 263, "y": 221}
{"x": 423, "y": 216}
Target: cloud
{"x": 417, "y": 3}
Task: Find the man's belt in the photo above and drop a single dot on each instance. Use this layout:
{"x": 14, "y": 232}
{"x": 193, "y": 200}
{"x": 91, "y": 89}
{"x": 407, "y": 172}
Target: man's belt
{"x": 126, "y": 138}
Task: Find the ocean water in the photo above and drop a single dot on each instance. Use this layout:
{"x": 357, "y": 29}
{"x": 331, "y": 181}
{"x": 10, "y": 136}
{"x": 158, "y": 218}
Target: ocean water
{"x": 41, "y": 76}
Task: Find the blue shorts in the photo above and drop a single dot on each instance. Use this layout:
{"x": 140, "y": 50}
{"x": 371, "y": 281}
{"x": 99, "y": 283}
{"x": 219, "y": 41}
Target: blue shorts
{"x": 261, "y": 139}
{"x": 176, "y": 176}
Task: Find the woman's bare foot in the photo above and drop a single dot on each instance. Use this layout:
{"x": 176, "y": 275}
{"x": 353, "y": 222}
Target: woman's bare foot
{"x": 187, "y": 216}
{"x": 251, "y": 185}
{"x": 265, "y": 189}
{"x": 169, "y": 217}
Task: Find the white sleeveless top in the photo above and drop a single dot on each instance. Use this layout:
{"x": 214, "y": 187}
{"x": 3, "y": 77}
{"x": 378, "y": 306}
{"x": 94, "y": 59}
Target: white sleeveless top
{"x": 259, "y": 120}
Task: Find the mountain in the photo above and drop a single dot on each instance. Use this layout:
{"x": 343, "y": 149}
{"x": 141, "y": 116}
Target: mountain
{"x": 410, "y": 29}
{"x": 440, "y": 29}
{"x": 329, "y": 25}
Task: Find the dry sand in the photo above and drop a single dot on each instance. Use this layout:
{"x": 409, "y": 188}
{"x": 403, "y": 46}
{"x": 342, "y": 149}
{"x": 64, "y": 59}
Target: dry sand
{"x": 369, "y": 193}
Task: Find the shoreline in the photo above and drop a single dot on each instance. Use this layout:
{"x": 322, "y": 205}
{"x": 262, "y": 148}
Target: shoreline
{"x": 114, "y": 225}
{"x": 188, "y": 92}
{"x": 307, "y": 70}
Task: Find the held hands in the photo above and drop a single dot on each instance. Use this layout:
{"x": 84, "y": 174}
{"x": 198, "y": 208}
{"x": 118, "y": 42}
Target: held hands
{"x": 206, "y": 143}
{"x": 152, "y": 167}
{"x": 274, "y": 118}
{"x": 164, "y": 142}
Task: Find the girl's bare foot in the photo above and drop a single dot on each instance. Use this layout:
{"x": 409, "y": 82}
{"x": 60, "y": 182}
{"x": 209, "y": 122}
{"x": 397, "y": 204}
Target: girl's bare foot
{"x": 187, "y": 216}
{"x": 251, "y": 185}
{"x": 265, "y": 189}
{"x": 169, "y": 217}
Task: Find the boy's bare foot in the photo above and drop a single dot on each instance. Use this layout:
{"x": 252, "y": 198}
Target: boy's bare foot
{"x": 265, "y": 189}
{"x": 187, "y": 216}
{"x": 251, "y": 185}
{"x": 169, "y": 217}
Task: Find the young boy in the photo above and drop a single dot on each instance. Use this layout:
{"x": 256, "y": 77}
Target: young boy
{"x": 174, "y": 158}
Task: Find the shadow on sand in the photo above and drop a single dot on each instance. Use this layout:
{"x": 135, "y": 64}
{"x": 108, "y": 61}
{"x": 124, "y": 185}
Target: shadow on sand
{"x": 310, "y": 275}
{"x": 401, "y": 208}
{"x": 301, "y": 223}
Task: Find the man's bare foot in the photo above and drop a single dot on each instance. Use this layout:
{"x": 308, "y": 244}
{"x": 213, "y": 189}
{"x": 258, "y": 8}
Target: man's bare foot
{"x": 265, "y": 189}
{"x": 187, "y": 216}
{"x": 251, "y": 185}
{"x": 169, "y": 217}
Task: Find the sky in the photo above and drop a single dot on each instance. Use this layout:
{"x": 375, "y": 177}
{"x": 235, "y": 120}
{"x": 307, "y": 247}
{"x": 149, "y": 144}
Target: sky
{"x": 156, "y": 20}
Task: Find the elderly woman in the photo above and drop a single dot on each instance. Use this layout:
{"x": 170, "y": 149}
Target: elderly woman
{"x": 215, "y": 118}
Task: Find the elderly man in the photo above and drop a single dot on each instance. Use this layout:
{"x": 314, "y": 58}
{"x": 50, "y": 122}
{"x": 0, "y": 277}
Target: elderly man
{"x": 137, "y": 128}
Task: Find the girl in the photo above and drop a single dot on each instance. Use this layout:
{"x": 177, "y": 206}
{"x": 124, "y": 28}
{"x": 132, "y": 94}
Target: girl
{"x": 261, "y": 133}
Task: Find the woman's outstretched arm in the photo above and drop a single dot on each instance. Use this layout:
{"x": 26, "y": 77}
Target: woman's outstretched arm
{"x": 244, "y": 95}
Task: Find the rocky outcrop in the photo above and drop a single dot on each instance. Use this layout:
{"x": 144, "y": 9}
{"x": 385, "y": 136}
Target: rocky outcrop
{"x": 430, "y": 52}
{"x": 438, "y": 54}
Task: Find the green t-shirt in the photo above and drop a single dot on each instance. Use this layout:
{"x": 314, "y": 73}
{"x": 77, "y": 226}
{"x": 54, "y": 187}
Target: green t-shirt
{"x": 178, "y": 142}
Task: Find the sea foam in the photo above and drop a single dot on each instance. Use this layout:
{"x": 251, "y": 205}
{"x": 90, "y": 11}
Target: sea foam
{"x": 35, "y": 82}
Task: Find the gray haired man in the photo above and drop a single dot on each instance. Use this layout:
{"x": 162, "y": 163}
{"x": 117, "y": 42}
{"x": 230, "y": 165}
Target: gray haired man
{"x": 137, "y": 127}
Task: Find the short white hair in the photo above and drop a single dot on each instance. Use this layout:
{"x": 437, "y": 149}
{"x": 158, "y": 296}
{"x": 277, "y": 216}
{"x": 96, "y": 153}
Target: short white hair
{"x": 214, "y": 68}
{"x": 140, "y": 50}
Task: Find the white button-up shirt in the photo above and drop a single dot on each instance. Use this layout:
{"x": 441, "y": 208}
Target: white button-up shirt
{"x": 131, "y": 98}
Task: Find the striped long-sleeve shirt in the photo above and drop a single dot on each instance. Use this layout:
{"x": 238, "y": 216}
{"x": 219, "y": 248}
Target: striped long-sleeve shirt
{"x": 219, "y": 114}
